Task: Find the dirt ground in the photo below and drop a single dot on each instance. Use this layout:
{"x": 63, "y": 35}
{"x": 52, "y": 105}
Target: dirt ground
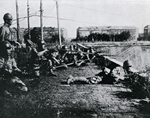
{"x": 51, "y": 99}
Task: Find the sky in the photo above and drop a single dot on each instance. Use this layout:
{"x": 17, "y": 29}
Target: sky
{"x": 80, "y": 13}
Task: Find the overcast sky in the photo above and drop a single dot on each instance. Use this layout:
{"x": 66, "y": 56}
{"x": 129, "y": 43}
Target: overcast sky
{"x": 80, "y": 13}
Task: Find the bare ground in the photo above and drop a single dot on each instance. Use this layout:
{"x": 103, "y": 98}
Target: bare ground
{"x": 51, "y": 99}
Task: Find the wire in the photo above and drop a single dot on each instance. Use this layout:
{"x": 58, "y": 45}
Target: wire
{"x": 50, "y": 12}
{"x": 66, "y": 19}
{"x": 20, "y": 18}
{"x": 19, "y": 21}
{"x": 100, "y": 11}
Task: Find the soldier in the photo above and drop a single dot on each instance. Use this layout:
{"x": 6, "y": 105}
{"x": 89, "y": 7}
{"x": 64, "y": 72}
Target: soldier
{"x": 63, "y": 51}
{"x": 9, "y": 71}
{"x": 5, "y": 31}
{"x": 138, "y": 83}
{"x": 39, "y": 61}
{"x": 127, "y": 66}
{"x": 104, "y": 77}
{"x": 80, "y": 59}
{"x": 107, "y": 76}
{"x": 91, "y": 52}
{"x": 6, "y": 35}
{"x": 34, "y": 62}
{"x": 128, "y": 81}
{"x": 56, "y": 61}
{"x": 46, "y": 64}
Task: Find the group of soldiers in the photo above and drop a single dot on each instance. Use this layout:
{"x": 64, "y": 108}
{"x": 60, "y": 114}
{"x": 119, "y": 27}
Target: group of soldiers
{"x": 43, "y": 60}
{"x": 37, "y": 60}
{"x": 9, "y": 80}
{"x": 40, "y": 60}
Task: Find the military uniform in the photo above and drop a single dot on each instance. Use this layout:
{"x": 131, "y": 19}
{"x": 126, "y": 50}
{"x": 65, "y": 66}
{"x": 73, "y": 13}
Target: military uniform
{"x": 34, "y": 63}
{"x": 39, "y": 62}
{"x": 83, "y": 80}
{"x": 5, "y": 33}
{"x": 8, "y": 78}
{"x": 103, "y": 77}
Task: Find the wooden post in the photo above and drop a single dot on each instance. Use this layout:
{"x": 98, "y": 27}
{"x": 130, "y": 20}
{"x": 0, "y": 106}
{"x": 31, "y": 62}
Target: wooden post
{"x": 41, "y": 19}
{"x": 59, "y": 32}
{"x": 18, "y": 28}
{"x": 28, "y": 19}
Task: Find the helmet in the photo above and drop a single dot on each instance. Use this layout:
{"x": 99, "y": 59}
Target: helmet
{"x": 4, "y": 46}
{"x": 126, "y": 64}
{"x": 7, "y": 16}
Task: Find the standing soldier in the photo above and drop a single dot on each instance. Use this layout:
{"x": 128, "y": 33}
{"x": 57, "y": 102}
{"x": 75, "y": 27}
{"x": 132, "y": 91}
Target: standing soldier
{"x": 5, "y": 31}
{"x": 6, "y": 34}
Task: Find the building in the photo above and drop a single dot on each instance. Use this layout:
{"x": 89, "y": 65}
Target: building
{"x": 109, "y": 30}
{"x": 50, "y": 34}
{"x": 147, "y": 32}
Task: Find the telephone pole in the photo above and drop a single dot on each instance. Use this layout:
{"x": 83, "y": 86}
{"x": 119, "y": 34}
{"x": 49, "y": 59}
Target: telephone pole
{"x": 41, "y": 19}
{"x": 18, "y": 27}
{"x": 28, "y": 19}
{"x": 59, "y": 32}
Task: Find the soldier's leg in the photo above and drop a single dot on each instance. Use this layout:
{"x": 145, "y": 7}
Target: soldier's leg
{"x": 50, "y": 68}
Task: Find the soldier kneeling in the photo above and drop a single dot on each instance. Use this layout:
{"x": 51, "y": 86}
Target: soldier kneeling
{"x": 9, "y": 81}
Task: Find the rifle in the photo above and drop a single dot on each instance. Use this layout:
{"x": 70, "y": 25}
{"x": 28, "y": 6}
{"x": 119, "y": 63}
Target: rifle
{"x": 63, "y": 65}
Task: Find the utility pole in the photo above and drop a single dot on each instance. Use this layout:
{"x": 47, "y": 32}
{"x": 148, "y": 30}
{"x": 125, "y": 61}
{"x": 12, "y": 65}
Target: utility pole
{"x": 59, "y": 32}
{"x": 41, "y": 19}
{"x": 18, "y": 28}
{"x": 28, "y": 19}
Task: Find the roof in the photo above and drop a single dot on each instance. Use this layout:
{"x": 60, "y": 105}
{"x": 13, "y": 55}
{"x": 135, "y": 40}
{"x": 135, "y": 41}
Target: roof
{"x": 106, "y": 27}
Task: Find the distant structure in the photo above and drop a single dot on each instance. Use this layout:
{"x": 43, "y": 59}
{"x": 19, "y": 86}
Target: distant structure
{"x": 50, "y": 34}
{"x": 147, "y": 32}
{"x": 112, "y": 32}
{"x": 141, "y": 37}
